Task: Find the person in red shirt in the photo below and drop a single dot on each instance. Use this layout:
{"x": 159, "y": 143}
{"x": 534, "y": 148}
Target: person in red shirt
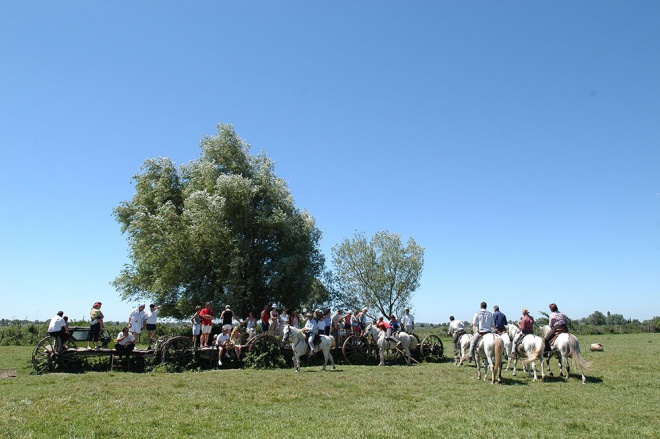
{"x": 526, "y": 325}
{"x": 384, "y": 326}
{"x": 265, "y": 315}
{"x": 207, "y": 324}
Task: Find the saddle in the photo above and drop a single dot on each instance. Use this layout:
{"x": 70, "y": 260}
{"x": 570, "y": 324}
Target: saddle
{"x": 500, "y": 331}
{"x": 557, "y": 332}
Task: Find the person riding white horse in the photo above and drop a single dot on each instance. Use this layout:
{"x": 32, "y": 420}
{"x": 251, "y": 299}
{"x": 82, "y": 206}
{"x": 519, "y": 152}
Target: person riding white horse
{"x": 456, "y": 330}
{"x": 483, "y": 324}
{"x": 558, "y": 323}
{"x": 311, "y": 329}
{"x": 565, "y": 346}
{"x": 526, "y": 325}
{"x": 406, "y": 342}
{"x": 387, "y": 328}
{"x": 531, "y": 348}
{"x": 302, "y": 344}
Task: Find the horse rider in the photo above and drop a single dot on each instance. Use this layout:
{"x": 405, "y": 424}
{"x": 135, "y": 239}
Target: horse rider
{"x": 408, "y": 322}
{"x": 526, "y": 325}
{"x": 558, "y": 323}
{"x": 396, "y": 324}
{"x": 311, "y": 329}
{"x": 456, "y": 330}
{"x": 384, "y": 326}
{"x": 483, "y": 323}
{"x": 499, "y": 320}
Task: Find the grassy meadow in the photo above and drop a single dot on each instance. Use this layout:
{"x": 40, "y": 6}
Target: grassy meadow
{"x": 621, "y": 399}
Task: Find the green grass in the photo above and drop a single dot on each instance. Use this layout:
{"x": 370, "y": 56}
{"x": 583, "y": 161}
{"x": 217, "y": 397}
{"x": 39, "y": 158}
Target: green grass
{"x": 429, "y": 400}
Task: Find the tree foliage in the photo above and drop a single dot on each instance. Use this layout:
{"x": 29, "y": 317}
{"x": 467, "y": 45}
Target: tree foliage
{"x": 222, "y": 228}
{"x": 380, "y": 273}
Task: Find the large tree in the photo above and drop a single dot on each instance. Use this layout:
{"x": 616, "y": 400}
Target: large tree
{"x": 380, "y": 273}
{"x": 223, "y": 228}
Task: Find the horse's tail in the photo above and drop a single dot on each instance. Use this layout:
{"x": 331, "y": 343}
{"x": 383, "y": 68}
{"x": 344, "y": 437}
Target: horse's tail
{"x": 499, "y": 344}
{"x": 332, "y": 342}
{"x": 577, "y": 357}
{"x": 535, "y": 354}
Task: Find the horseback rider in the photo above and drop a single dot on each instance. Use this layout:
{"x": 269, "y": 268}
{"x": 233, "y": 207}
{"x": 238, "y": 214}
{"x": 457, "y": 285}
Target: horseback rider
{"x": 499, "y": 320}
{"x": 384, "y": 326}
{"x": 558, "y": 323}
{"x": 526, "y": 325}
{"x": 396, "y": 325}
{"x": 311, "y": 329}
{"x": 456, "y": 330}
{"x": 483, "y": 323}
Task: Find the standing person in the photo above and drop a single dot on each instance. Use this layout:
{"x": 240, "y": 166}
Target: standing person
{"x": 363, "y": 319}
{"x": 336, "y": 319}
{"x": 227, "y": 316}
{"x": 558, "y": 322}
{"x": 250, "y": 325}
{"x": 197, "y": 325}
{"x": 526, "y": 325}
{"x": 456, "y": 330}
{"x": 483, "y": 324}
{"x": 347, "y": 323}
{"x": 355, "y": 324}
{"x": 95, "y": 325}
{"x": 151, "y": 318}
{"x": 294, "y": 319}
{"x": 207, "y": 324}
{"x": 408, "y": 322}
{"x": 284, "y": 320}
{"x": 264, "y": 319}
{"x": 273, "y": 320}
{"x": 327, "y": 320}
{"x": 499, "y": 320}
{"x": 136, "y": 321}
{"x": 58, "y": 328}
{"x": 125, "y": 342}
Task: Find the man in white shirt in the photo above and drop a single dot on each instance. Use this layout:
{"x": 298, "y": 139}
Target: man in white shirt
{"x": 408, "y": 322}
{"x": 136, "y": 320}
{"x": 456, "y": 329}
{"x": 58, "y": 329}
{"x": 151, "y": 318}
{"x": 311, "y": 329}
{"x": 223, "y": 342}
{"x": 125, "y": 342}
{"x": 483, "y": 324}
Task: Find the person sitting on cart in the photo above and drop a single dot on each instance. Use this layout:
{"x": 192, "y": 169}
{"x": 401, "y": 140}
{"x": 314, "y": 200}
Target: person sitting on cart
{"x": 125, "y": 342}
{"x": 58, "y": 328}
{"x": 396, "y": 325}
{"x": 224, "y": 344}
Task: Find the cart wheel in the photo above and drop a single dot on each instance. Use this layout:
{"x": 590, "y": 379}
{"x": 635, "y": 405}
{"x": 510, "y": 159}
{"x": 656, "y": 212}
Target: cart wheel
{"x": 355, "y": 350}
{"x": 261, "y": 342}
{"x": 178, "y": 350}
{"x": 47, "y": 358}
{"x": 431, "y": 348}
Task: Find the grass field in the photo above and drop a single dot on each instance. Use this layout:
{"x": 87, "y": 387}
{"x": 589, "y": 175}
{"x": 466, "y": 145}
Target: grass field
{"x": 620, "y": 400}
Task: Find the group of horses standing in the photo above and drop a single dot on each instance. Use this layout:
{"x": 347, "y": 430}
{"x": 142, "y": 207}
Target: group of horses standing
{"x": 491, "y": 348}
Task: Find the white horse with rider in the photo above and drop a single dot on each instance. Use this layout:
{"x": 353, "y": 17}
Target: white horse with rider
{"x": 298, "y": 340}
{"x": 530, "y": 345}
{"x": 464, "y": 343}
{"x": 489, "y": 350}
{"x": 407, "y": 342}
{"x": 564, "y": 346}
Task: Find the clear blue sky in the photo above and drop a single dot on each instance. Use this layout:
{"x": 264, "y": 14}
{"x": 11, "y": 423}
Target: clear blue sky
{"x": 517, "y": 142}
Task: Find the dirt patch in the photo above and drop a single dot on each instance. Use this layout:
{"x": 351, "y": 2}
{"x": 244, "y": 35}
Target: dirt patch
{"x": 8, "y": 373}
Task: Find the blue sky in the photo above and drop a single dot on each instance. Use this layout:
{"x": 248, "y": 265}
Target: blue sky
{"x": 517, "y": 142}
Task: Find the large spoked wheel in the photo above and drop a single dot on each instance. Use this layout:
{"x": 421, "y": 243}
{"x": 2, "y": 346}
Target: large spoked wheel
{"x": 48, "y": 358}
{"x": 178, "y": 351}
{"x": 431, "y": 348}
{"x": 262, "y": 343}
{"x": 355, "y": 350}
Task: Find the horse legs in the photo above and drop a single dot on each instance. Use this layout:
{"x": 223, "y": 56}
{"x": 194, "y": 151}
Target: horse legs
{"x": 296, "y": 362}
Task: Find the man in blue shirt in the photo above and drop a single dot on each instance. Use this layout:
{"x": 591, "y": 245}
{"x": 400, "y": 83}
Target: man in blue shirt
{"x": 499, "y": 320}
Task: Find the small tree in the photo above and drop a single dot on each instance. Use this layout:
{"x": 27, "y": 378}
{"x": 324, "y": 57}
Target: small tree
{"x": 380, "y": 273}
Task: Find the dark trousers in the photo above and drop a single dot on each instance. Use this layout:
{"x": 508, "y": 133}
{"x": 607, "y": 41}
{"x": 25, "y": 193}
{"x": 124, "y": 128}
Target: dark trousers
{"x": 553, "y": 331}
{"x": 121, "y": 349}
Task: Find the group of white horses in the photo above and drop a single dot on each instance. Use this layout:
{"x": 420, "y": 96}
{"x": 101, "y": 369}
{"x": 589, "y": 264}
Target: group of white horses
{"x": 491, "y": 347}
{"x": 489, "y": 351}
{"x": 300, "y": 347}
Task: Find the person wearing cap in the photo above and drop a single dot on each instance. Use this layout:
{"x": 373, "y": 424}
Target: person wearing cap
{"x": 151, "y": 318}
{"x": 526, "y": 325}
{"x": 456, "y": 330}
{"x": 273, "y": 321}
{"x": 136, "y": 321}
{"x": 408, "y": 322}
{"x": 95, "y": 325}
{"x": 207, "y": 315}
{"x": 227, "y": 316}
{"x": 311, "y": 329}
{"x": 499, "y": 320}
{"x": 58, "y": 328}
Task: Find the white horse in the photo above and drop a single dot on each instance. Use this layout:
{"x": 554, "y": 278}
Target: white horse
{"x": 566, "y": 346}
{"x": 507, "y": 344}
{"x": 408, "y": 342}
{"x": 490, "y": 348}
{"x": 464, "y": 343}
{"x": 531, "y": 346}
{"x": 300, "y": 346}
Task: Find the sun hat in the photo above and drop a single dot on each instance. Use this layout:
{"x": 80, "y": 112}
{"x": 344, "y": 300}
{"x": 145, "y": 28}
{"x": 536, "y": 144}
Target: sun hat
{"x": 524, "y": 311}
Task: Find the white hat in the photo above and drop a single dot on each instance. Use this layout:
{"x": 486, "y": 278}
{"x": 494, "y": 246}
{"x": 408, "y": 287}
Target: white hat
{"x": 227, "y": 326}
{"x": 274, "y": 305}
